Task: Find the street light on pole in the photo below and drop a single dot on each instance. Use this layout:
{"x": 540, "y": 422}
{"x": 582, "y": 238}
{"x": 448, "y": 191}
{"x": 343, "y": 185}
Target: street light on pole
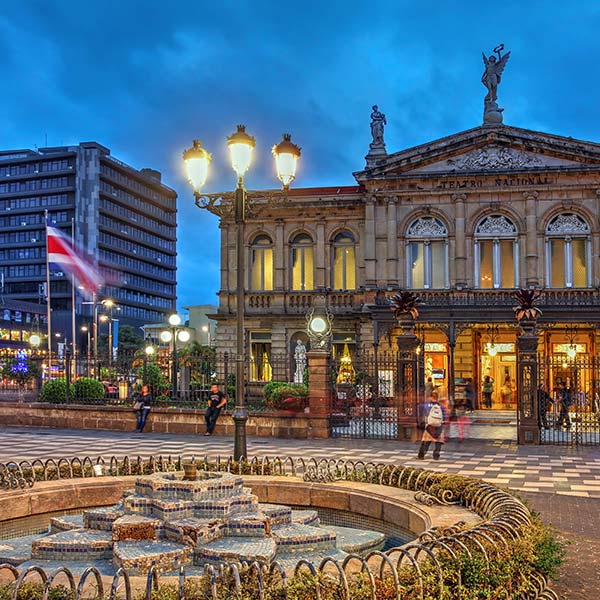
{"x": 206, "y": 330}
{"x": 197, "y": 161}
{"x": 108, "y": 303}
{"x": 174, "y": 334}
{"x": 86, "y": 329}
{"x": 148, "y": 352}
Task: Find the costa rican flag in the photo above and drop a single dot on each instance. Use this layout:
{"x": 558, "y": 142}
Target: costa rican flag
{"x": 62, "y": 253}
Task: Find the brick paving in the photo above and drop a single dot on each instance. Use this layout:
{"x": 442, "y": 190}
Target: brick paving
{"x": 562, "y": 483}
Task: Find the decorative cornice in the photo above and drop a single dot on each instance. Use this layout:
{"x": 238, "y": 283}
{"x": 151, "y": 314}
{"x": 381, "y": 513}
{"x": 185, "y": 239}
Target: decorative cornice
{"x": 484, "y": 159}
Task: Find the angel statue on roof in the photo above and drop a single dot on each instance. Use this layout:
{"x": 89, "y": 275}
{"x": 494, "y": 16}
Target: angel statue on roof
{"x": 493, "y": 72}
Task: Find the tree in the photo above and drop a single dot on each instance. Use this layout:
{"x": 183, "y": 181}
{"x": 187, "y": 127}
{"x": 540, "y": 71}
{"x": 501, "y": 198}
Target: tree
{"x": 129, "y": 339}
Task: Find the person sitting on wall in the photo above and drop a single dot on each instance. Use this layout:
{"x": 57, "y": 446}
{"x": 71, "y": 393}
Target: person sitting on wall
{"x": 216, "y": 401}
{"x": 145, "y": 405}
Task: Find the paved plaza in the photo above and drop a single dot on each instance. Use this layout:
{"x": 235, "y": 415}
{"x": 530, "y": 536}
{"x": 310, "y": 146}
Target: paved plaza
{"x": 563, "y": 471}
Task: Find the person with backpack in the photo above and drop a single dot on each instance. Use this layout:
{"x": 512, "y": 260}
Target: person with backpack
{"x": 434, "y": 429}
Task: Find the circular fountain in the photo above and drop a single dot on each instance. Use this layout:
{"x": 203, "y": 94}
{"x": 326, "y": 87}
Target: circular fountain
{"x": 170, "y": 520}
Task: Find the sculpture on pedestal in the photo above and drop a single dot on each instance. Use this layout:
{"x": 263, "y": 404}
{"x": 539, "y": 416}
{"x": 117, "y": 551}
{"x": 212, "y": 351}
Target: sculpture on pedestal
{"x": 300, "y": 358}
{"x": 377, "y": 149}
{"x": 491, "y": 79}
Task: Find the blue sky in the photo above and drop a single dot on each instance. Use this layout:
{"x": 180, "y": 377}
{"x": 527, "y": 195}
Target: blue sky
{"x": 146, "y": 77}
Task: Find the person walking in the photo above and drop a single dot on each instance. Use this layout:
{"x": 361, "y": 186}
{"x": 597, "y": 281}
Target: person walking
{"x": 216, "y": 401}
{"x": 487, "y": 388}
{"x": 461, "y": 406}
{"x": 434, "y": 430}
{"x": 469, "y": 394}
{"x": 565, "y": 399}
{"x": 145, "y": 405}
{"x": 544, "y": 404}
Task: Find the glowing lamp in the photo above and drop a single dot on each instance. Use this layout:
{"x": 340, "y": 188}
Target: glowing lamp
{"x": 286, "y": 155}
{"x": 572, "y": 351}
{"x": 149, "y": 350}
{"x": 492, "y": 350}
{"x": 174, "y": 320}
{"x": 318, "y": 325}
{"x": 240, "y": 149}
{"x": 196, "y": 161}
{"x": 108, "y": 303}
{"x": 35, "y": 340}
{"x": 183, "y": 336}
{"x": 166, "y": 336}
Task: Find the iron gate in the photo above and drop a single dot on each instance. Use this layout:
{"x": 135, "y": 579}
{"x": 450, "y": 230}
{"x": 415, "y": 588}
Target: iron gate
{"x": 570, "y": 415}
{"x": 367, "y": 401}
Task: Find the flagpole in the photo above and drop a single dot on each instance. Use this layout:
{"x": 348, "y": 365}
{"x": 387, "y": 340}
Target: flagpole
{"x": 48, "y": 311}
{"x": 73, "y": 320}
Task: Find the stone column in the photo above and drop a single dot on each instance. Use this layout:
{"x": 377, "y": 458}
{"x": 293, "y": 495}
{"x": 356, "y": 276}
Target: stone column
{"x": 527, "y": 384}
{"x": 460, "y": 251}
{"x": 320, "y": 393}
{"x": 531, "y": 254}
{"x": 370, "y": 259}
{"x": 407, "y": 384}
{"x": 392, "y": 243}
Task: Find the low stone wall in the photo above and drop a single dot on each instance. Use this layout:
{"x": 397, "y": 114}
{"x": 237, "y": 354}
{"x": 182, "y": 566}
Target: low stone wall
{"x": 162, "y": 420}
{"x": 386, "y": 504}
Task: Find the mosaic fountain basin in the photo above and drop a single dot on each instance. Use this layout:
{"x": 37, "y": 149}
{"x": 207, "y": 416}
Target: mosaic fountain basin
{"x": 168, "y": 521}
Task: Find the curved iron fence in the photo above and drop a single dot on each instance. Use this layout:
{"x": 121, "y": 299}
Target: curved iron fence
{"x": 505, "y": 520}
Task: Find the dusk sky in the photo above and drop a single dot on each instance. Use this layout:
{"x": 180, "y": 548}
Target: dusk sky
{"x": 145, "y": 78}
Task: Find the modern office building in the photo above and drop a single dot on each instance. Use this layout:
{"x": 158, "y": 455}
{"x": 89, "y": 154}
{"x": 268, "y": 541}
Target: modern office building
{"x": 124, "y": 219}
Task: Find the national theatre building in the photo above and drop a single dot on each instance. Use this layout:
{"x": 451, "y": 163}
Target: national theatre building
{"x": 462, "y": 222}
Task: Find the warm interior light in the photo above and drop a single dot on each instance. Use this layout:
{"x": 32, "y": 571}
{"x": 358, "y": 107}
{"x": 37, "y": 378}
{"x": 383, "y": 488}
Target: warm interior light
{"x": 104, "y": 318}
{"x": 286, "y": 156}
{"x": 149, "y": 350}
{"x": 108, "y": 303}
{"x": 492, "y": 350}
{"x": 166, "y": 336}
{"x": 84, "y": 328}
{"x": 571, "y": 351}
{"x": 183, "y": 336}
{"x": 35, "y": 340}
{"x": 196, "y": 161}
{"x": 174, "y": 320}
{"x": 240, "y": 148}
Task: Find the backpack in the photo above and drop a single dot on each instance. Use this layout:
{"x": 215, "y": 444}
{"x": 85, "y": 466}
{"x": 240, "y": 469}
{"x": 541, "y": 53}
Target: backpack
{"x": 435, "y": 416}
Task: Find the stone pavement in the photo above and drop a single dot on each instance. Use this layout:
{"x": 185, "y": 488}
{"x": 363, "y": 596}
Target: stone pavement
{"x": 563, "y": 471}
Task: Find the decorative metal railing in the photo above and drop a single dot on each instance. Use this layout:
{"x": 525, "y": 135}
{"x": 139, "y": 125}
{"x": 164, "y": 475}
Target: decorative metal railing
{"x": 426, "y": 568}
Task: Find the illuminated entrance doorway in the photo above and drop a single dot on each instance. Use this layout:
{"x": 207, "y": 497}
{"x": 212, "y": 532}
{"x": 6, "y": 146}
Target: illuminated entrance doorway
{"x": 498, "y": 376}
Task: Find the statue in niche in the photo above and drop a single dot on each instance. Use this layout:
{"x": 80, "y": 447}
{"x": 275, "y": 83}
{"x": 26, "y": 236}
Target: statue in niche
{"x": 378, "y": 121}
{"x": 300, "y": 358}
{"x": 493, "y": 72}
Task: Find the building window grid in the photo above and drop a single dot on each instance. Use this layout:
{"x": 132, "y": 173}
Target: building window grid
{"x": 136, "y": 265}
{"x": 14, "y": 187}
{"x": 429, "y": 233}
{"x": 133, "y": 232}
{"x": 115, "y": 242}
{"x": 344, "y": 262}
{"x": 35, "y": 202}
{"x": 302, "y": 263}
{"x": 137, "y": 218}
{"x": 261, "y": 267}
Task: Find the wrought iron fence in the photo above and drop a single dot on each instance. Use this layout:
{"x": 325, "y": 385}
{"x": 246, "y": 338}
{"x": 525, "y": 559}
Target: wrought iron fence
{"x": 370, "y": 399}
{"x": 430, "y": 565}
{"x": 120, "y": 376}
{"x": 569, "y": 403}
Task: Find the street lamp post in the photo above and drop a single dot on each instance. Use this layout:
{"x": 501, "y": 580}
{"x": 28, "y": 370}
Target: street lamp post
{"x": 86, "y": 329}
{"x": 148, "y": 352}
{"x": 176, "y": 333}
{"x": 206, "y": 329}
{"x": 197, "y": 160}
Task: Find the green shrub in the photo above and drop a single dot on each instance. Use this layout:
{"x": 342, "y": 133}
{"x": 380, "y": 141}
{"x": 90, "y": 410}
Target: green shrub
{"x": 20, "y": 369}
{"x": 54, "y": 391}
{"x": 87, "y": 388}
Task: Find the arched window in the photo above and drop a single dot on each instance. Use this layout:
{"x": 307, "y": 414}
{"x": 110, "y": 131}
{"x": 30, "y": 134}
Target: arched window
{"x": 344, "y": 262}
{"x": 427, "y": 254}
{"x": 261, "y": 265}
{"x": 496, "y": 253}
{"x": 302, "y": 263}
{"x": 568, "y": 252}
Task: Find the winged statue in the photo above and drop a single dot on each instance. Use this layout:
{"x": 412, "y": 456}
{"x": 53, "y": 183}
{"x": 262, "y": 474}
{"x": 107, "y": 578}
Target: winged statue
{"x": 493, "y": 72}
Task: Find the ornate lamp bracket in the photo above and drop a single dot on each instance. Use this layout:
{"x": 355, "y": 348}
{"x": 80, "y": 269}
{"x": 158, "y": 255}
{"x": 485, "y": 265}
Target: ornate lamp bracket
{"x": 318, "y": 328}
{"x": 221, "y": 204}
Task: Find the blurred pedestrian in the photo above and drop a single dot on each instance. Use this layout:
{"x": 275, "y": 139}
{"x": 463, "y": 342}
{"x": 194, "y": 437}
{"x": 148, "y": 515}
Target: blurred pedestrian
{"x": 434, "y": 430}
{"x": 544, "y": 404}
{"x": 462, "y": 418}
{"x": 565, "y": 399}
{"x": 487, "y": 388}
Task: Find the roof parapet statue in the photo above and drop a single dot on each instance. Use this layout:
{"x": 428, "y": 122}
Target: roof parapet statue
{"x": 491, "y": 78}
{"x": 377, "y": 149}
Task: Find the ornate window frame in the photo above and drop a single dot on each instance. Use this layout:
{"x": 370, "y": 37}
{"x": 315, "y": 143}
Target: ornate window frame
{"x": 335, "y": 243}
{"x": 301, "y": 241}
{"x": 426, "y": 229}
{"x": 568, "y": 226}
{"x": 495, "y": 228}
{"x": 255, "y": 247}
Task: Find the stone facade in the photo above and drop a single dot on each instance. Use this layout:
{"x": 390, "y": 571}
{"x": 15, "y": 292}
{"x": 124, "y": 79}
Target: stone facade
{"x": 464, "y": 221}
